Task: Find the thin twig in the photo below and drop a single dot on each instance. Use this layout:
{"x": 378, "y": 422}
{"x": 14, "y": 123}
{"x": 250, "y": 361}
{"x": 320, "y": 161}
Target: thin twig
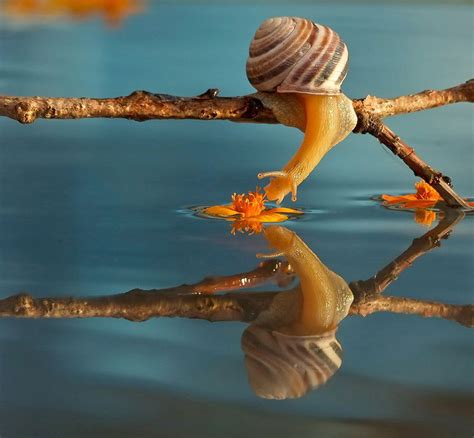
{"x": 143, "y": 105}
{"x": 442, "y": 183}
{"x": 138, "y": 106}
{"x": 277, "y": 271}
{"x": 380, "y": 107}
{"x": 463, "y": 314}
{"x": 140, "y": 305}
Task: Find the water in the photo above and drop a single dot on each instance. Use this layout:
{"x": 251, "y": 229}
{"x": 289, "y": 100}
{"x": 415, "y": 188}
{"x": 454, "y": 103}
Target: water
{"x": 97, "y": 207}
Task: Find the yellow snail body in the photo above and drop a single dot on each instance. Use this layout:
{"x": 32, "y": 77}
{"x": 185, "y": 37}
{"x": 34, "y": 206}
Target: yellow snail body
{"x": 291, "y": 348}
{"x": 295, "y": 55}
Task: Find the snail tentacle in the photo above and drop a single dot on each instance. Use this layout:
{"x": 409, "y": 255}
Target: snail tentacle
{"x": 272, "y": 255}
{"x": 272, "y": 173}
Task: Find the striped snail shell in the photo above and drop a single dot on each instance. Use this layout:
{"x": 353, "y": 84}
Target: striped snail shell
{"x": 280, "y": 366}
{"x": 295, "y": 55}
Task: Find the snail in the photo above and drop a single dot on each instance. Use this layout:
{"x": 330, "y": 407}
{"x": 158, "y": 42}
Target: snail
{"x": 296, "y": 56}
{"x": 291, "y": 348}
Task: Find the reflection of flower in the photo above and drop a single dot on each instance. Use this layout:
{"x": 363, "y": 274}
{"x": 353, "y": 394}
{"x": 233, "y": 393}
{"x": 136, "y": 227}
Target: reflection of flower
{"x": 114, "y": 11}
{"x": 424, "y": 198}
{"x": 248, "y": 212}
{"x": 424, "y": 217}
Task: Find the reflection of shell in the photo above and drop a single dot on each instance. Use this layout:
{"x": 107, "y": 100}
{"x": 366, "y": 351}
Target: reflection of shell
{"x": 281, "y": 366}
{"x": 295, "y": 55}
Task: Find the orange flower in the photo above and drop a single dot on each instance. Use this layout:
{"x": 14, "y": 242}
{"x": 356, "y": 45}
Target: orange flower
{"x": 248, "y": 212}
{"x": 425, "y": 196}
{"x": 114, "y": 11}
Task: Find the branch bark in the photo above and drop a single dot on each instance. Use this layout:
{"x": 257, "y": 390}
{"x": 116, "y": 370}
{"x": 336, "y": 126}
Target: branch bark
{"x": 140, "y": 305}
{"x": 428, "y": 99}
{"x": 143, "y": 105}
{"x": 442, "y": 183}
{"x": 462, "y": 314}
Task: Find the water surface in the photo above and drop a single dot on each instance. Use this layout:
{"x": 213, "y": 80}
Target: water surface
{"x": 94, "y": 207}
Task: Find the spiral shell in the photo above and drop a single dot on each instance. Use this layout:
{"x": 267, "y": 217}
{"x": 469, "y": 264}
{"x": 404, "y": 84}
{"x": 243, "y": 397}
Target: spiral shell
{"x": 281, "y": 366}
{"x": 295, "y": 55}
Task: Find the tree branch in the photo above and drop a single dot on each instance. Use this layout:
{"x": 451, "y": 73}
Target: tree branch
{"x": 428, "y": 309}
{"x": 442, "y": 183}
{"x": 143, "y": 105}
{"x": 428, "y": 99}
{"x": 139, "y": 106}
{"x": 140, "y": 305}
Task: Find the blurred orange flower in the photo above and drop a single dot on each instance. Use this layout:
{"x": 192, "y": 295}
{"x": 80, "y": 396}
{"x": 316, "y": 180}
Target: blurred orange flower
{"x": 114, "y": 11}
{"x": 248, "y": 213}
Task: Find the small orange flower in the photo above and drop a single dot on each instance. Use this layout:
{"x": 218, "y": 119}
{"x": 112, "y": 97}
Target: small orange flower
{"x": 248, "y": 212}
{"x": 424, "y": 198}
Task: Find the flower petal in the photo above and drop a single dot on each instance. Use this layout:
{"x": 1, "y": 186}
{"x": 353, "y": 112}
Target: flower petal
{"x": 220, "y": 211}
{"x": 399, "y": 199}
{"x": 420, "y": 204}
{"x": 283, "y": 210}
{"x": 424, "y": 217}
{"x": 271, "y": 217}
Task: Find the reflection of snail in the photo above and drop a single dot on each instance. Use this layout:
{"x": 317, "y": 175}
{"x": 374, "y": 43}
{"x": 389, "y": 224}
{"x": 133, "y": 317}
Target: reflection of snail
{"x": 295, "y": 55}
{"x": 291, "y": 348}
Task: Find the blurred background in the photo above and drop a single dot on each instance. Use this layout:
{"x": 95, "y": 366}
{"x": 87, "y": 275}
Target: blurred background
{"x": 93, "y": 207}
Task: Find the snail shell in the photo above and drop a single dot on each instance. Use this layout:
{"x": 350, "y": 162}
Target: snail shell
{"x": 280, "y": 366}
{"x": 295, "y": 55}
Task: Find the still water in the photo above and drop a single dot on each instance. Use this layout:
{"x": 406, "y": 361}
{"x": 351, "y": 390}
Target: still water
{"x": 99, "y": 207}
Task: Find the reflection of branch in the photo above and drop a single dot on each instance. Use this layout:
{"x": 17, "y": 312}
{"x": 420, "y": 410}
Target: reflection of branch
{"x": 368, "y": 298}
{"x": 143, "y": 105}
{"x": 420, "y": 246}
{"x": 268, "y": 270}
{"x": 180, "y": 301}
{"x": 408, "y": 306}
{"x": 197, "y": 301}
{"x": 140, "y": 305}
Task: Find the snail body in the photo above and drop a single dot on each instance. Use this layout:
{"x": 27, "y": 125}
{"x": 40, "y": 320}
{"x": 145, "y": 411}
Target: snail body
{"x": 295, "y": 55}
